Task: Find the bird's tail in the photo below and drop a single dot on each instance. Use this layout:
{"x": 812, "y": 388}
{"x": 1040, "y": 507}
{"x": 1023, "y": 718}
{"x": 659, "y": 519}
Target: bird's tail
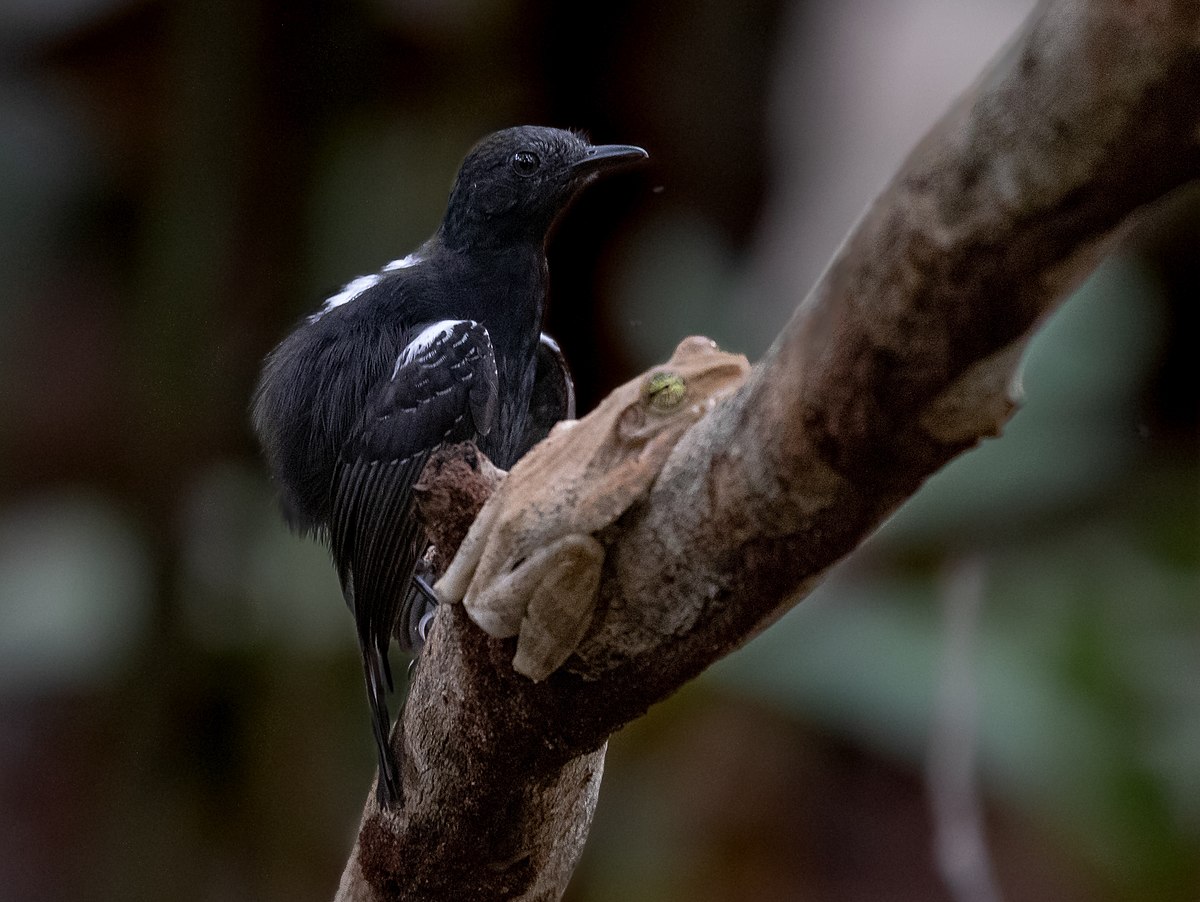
{"x": 379, "y": 682}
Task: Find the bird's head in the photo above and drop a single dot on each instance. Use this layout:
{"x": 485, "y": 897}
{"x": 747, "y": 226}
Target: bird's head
{"x": 514, "y": 183}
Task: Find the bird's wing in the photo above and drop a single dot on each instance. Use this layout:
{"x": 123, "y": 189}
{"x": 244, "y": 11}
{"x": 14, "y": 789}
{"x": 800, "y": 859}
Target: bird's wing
{"x": 553, "y": 393}
{"x": 444, "y": 387}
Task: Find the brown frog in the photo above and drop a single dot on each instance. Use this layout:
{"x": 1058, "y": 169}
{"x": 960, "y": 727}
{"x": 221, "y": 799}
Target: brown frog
{"x": 530, "y": 565}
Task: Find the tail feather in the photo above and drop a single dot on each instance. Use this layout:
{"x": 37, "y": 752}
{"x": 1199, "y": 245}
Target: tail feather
{"x": 379, "y": 676}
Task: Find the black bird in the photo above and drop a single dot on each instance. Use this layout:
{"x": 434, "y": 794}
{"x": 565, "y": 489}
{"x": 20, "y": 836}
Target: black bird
{"x": 440, "y": 346}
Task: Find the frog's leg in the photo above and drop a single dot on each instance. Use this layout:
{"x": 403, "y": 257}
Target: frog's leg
{"x": 560, "y": 606}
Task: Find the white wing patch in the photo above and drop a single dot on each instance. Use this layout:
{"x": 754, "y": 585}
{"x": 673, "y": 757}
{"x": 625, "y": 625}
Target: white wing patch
{"x": 427, "y": 337}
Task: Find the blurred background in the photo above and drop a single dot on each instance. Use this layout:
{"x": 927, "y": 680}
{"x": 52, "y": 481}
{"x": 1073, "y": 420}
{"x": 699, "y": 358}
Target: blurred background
{"x": 997, "y": 697}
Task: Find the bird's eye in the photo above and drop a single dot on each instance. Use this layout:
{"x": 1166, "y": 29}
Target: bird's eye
{"x": 525, "y": 162}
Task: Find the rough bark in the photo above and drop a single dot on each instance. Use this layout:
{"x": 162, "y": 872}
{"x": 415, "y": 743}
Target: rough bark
{"x": 902, "y": 357}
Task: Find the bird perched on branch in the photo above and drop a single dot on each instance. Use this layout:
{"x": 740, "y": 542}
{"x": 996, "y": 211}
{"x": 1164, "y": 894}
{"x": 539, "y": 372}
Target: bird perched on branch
{"x": 440, "y": 346}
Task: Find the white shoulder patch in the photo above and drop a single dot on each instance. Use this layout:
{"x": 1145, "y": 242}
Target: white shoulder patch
{"x": 427, "y": 337}
{"x": 355, "y": 287}
{"x": 404, "y": 262}
{"x": 349, "y": 292}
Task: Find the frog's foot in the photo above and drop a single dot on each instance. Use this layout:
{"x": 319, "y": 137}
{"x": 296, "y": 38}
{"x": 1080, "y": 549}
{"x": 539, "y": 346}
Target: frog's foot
{"x": 546, "y": 600}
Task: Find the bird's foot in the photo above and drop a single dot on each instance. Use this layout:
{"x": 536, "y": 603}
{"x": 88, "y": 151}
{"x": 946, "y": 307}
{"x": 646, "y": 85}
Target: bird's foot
{"x": 417, "y": 614}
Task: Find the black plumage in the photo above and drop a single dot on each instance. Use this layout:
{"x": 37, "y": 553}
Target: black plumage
{"x": 441, "y": 346}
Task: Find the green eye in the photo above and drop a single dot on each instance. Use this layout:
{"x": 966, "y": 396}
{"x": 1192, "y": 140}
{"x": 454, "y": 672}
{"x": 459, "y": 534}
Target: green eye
{"x": 664, "y": 390}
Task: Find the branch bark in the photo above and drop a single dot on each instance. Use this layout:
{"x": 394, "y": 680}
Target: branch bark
{"x": 901, "y": 358}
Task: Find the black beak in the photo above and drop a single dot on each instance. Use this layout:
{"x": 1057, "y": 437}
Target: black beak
{"x": 608, "y": 156}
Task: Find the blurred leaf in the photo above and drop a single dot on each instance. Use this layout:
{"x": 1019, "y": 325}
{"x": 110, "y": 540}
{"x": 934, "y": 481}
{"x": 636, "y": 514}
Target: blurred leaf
{"x": 74, "y": 592}
{"x": 1087, "y": 665}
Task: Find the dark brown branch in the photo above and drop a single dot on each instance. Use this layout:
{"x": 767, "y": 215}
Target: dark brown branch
{"x": 899, "y": 359}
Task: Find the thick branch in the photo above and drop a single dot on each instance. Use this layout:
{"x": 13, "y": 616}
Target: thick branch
{"x": 899, "y": 359}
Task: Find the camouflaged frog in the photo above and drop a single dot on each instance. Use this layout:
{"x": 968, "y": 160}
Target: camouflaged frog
{"x": 530, "y": 565}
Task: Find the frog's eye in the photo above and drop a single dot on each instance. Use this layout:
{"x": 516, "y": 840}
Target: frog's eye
{"x": 664, "y": 390}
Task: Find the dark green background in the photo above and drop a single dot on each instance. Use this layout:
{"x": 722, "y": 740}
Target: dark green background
{"x": 182, "y": 714}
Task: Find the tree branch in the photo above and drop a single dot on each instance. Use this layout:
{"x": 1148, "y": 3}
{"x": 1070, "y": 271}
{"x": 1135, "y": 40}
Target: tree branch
{"x": 900, "y": 359}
